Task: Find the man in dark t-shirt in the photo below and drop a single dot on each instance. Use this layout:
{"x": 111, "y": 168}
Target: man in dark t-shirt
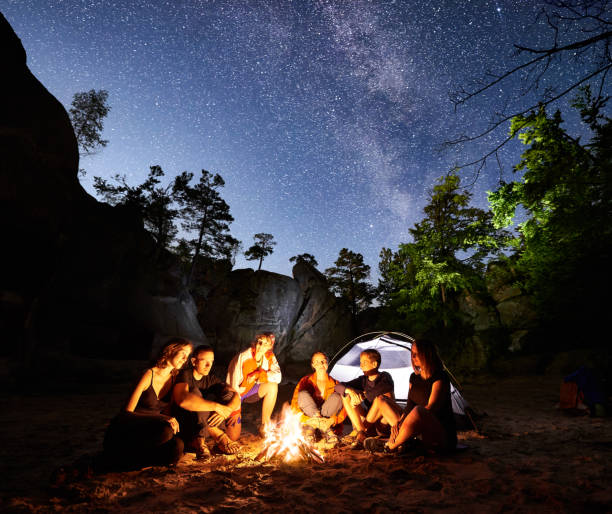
{"x": 203, "y": 403}
{"x": 359, "y": 394}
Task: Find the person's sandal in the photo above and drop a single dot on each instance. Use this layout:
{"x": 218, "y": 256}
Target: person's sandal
{"x": 348, "y": 439}
{"x": 375, "y": 445}
{"x": 359, "y": 439}
{"x": 227, "y": 446}
{"x": 201, "y": 450}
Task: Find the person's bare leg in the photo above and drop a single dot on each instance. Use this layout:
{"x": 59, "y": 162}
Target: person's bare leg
{"x": 375, "y": 413}
{"x": 390, "y": 411}
{"x": 268, "y": 393}
{"x": 419, "y": 422}
{"x": 233, "y": 426}
{"x": 354, "y": 412}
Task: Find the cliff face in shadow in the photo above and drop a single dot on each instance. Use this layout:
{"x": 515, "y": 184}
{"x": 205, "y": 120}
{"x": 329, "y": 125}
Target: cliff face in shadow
{"x": 79, "y": 276}
{"x": 301, "y": 312}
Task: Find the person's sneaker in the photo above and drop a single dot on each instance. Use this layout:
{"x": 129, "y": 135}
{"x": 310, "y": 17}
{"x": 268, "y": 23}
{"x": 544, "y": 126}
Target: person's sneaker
{"x": 375, "y": 445}
{"x": 331, "y": 439}
{"x": 201, "y": 450}
{"x": 309, "y": 433}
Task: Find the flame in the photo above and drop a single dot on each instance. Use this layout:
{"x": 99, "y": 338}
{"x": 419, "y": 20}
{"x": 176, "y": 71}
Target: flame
{"x": 285, "y": 440}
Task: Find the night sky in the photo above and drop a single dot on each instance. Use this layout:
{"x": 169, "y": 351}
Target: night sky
{"x": 324, "y": 118}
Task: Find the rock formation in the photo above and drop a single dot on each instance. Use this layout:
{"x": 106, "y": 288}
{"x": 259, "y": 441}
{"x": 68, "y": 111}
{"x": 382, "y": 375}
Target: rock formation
{"x": 301, "y": 312}
{"x": 79, "y": 276}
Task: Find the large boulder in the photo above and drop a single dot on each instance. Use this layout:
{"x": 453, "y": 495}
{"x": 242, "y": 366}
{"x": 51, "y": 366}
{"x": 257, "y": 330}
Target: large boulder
{"x": 79, "y": 276}
{"x": 323, "y": 322}
{"x": 301, "y": 312}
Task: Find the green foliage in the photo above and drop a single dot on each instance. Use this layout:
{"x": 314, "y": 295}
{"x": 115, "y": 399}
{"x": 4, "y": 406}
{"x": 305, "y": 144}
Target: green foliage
{"x": 347, "y": 279}
{"x": 264, "y": 246}
{"x": 563, "y": 246}
{"x": 421, "y": 280}
{"x": 87, "y": 114}
{"x": 305, "y": 257}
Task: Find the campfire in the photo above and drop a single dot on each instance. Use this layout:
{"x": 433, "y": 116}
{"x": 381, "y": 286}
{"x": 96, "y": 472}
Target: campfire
{"x": 284, "y": 441}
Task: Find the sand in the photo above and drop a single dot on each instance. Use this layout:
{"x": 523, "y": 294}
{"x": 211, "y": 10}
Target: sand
{"x": 528, "y": 457}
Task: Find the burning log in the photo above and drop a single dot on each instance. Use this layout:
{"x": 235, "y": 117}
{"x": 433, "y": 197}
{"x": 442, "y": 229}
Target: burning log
{"x": 285, "y": 441}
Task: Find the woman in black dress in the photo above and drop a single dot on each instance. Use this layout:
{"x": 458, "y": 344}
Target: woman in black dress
{"x": 428, "y": 413}
{"x": 142, "y": 434}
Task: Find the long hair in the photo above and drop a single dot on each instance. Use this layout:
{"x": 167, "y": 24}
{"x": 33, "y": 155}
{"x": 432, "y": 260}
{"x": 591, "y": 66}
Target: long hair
{"x": 170, "y": 349}
{"x": 428, "y": 354}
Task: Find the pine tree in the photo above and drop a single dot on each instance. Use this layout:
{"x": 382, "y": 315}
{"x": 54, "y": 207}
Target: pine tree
{"x": 264, "y": 246}
{"x": 207, "y": 215}
{"x": 305, "y": 257}
{"x": 347, "y": 279}
{"x": 151, "y": 200}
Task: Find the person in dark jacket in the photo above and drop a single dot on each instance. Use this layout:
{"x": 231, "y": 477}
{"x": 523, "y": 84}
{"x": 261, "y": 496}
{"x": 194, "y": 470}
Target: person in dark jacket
{"x": 428, "y": 413}
{"x": 359, "y": 395}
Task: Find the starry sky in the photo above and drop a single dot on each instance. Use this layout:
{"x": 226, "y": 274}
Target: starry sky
{"x": 325, "y": 118}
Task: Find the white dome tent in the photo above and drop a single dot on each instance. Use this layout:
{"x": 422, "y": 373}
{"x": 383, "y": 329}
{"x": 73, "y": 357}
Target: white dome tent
{"x": 394, "y": 348}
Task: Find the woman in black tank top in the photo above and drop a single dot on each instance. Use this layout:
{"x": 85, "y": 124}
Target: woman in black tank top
{"x": 428, "y": 412}
{"x": 142, "y": 434}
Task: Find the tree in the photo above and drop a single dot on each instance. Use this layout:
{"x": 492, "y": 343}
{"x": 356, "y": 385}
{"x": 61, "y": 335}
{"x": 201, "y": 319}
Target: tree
{"x": 397, "y": 273}
{"x": 208, "y": 215}
{"x": 580, "y": 38}
{"x": 347, "y": 279}
{"x": 564, "y": 245}
{"x": 305, "y": 257}
{"x": 264, "y": 246}
{"x": 87, "y": 116}
{"x": 448, "y": 253}
{"x": 152, "y": 201}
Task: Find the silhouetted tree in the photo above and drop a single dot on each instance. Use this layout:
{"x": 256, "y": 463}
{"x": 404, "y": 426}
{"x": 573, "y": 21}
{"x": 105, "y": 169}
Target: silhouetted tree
{"x": 151, "y": 200}
{"x": 87, "y": 116}
{"x": 579, "y": 47}
{"x": 206, "y": 214}
{"x": 264, "y": 246}
{"x": 305, "y": 257}
{"x": 347, "y": 279}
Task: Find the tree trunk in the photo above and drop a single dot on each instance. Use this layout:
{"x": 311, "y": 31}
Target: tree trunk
{"x": 260, "y": 262}
{"x": 195, "y": 255}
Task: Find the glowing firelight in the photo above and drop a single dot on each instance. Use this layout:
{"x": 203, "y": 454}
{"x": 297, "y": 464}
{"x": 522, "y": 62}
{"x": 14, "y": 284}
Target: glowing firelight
{"x": 285, "y": 440}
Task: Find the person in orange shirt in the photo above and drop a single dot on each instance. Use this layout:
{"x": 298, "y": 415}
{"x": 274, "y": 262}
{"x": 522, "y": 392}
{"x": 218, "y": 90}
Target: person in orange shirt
{"x": 320, "y": 406}
{"x": 255, "y": 374}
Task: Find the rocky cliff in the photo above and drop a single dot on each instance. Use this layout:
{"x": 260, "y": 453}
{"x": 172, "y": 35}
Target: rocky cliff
{"x": 79, "y": 276}
{"x": 301, "y": 312}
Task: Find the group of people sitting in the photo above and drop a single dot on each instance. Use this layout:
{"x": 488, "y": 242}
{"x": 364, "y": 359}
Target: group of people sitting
{"x": 172, "y": 408}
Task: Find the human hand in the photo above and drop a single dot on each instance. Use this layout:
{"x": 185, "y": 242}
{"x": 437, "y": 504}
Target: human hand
{"x": 355, "y": 397}
{"x": 394, "y": 432}
{"x": 223, "y": 410}
{"x": 252, "y": 377}
{"x": 174, "y": 424}
{"x": 215, "y": 419}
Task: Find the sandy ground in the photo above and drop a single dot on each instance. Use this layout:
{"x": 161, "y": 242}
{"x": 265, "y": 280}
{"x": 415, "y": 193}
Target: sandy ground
{"x": 528, "y": 457}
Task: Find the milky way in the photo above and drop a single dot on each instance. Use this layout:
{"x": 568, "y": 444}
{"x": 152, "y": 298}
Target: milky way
{"x": 324, "y": 118}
